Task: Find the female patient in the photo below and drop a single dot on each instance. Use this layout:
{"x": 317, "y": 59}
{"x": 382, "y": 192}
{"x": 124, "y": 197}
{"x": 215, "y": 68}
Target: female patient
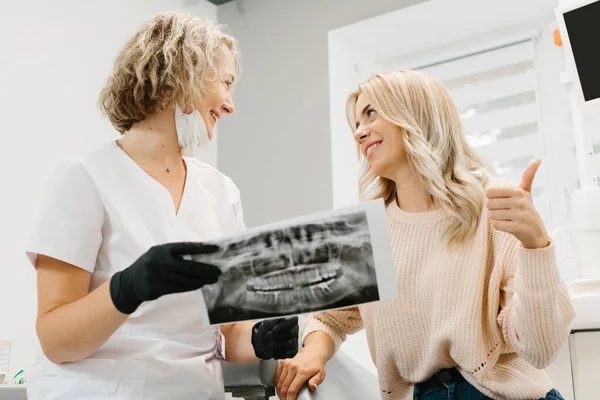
{"x": 481, "y": 307}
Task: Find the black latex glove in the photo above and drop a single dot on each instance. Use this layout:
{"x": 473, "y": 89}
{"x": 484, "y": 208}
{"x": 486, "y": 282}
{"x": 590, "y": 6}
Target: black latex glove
{"x": 160, "y": 271}
{"x": 275, "y": 338}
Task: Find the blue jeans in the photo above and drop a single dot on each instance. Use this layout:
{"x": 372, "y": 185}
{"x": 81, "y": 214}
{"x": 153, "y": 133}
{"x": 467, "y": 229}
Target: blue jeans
{"x": 449, "y": 385}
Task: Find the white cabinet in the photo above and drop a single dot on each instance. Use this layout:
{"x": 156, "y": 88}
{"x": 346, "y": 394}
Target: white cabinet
{"x": 13, "y": 392}
{"x": 576, "y": 370}
{"x": 585, "y": 364}
{"x": 560, "y": 373}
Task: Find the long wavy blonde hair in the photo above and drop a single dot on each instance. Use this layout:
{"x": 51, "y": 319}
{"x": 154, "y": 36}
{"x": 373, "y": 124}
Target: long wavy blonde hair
{"x": 170, "y": 60}
{"x": 435, "y": 146}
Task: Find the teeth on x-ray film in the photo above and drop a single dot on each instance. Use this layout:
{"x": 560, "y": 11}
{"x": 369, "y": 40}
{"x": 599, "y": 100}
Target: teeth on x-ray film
{"x": 297, "y": 269}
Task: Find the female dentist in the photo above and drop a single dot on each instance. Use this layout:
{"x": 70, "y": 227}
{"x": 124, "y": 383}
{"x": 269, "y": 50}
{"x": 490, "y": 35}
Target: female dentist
{"x": 117, "y": 314}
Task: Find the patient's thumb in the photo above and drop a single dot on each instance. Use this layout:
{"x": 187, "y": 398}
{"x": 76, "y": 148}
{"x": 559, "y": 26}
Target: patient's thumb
{"x": 314, "y": 382}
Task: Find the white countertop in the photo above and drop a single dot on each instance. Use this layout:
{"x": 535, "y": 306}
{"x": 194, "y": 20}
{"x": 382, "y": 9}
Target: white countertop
{"x": 6, "y": 387}
{"x": 585, "y": 298}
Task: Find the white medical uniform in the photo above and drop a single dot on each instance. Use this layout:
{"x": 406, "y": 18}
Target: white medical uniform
{"x": 101, "y": 211}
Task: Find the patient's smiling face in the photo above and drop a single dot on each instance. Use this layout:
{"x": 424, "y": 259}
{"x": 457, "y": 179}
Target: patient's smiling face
{"x": 379, "y": 140}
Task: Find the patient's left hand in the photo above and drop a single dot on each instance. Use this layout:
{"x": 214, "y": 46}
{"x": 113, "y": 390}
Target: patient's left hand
{"x": 275, "y": 338}
{"x": 512, "y": 211}
{"x": 307, "y": 366}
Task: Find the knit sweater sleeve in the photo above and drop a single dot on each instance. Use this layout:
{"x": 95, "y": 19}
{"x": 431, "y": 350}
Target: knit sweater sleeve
{"x": 337, "y": 324}
{"x": 536, "y": 311}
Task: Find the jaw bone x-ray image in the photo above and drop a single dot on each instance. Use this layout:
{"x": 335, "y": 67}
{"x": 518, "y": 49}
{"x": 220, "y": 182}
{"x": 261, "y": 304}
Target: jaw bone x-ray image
{"x": 293, "y": 270}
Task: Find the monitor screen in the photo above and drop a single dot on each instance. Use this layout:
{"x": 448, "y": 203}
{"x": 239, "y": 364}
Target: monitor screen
{"x": 583, "y": 28}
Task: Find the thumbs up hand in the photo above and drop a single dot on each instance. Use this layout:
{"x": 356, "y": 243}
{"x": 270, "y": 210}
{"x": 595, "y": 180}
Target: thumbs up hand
{"x": 511, "y": 210}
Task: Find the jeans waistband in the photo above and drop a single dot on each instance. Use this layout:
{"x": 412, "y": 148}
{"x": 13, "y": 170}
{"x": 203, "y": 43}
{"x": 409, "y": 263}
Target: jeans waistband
{"x": 440, "y": 380}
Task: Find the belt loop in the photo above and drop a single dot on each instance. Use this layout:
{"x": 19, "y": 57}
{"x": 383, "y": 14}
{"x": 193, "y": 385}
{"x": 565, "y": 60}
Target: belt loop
{"x": 452, "y": 391}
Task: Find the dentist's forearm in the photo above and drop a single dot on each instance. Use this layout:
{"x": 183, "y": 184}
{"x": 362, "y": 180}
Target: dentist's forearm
{"x": 73, "y": 331}
{"x": 238, "y": 343}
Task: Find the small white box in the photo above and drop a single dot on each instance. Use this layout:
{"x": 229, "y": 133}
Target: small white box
{"x": 4, "y": 359}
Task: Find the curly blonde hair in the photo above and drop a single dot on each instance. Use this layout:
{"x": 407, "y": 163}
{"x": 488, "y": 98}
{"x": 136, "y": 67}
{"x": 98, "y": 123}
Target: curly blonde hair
{"x": 170, "y": 60}
{"x": 435, "y": 147}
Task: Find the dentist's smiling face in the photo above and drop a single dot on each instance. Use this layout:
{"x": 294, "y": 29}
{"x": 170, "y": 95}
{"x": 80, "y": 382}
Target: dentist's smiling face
{"x": 379, "y": 140}
{"x": 219, "y": 100}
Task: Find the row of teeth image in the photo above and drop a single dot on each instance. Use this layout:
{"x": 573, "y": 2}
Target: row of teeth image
{"x": 291, "y": 280}
{"x": 267, "y": 264}
{"x": 308, "y": 236}
{"x": 287, "y": 301}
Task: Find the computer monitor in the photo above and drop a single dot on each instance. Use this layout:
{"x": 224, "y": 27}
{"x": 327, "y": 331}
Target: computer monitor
{"x": 579, "y": 26}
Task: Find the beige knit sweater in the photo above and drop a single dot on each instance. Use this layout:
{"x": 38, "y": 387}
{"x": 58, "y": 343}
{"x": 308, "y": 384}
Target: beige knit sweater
{"x": 496, "y": 311}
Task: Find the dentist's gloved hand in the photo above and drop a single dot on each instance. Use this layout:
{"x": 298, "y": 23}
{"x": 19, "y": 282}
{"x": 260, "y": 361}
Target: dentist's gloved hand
{"x": 160, "y": 271}
{"x": 275, "y": 338}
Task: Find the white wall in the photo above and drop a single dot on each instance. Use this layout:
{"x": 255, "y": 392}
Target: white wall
{"x": 276, "y": 147}
{"x": 56, "y": 57}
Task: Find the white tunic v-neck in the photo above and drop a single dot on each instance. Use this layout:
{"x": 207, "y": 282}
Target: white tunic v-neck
{"x": 100, "y": 212}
